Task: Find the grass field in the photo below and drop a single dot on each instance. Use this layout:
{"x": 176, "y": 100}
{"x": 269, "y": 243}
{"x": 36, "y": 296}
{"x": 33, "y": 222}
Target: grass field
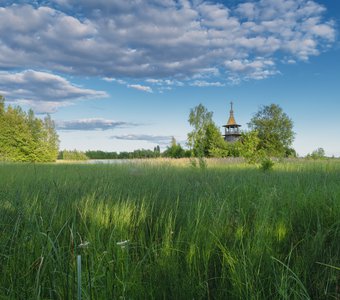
{"x": 225, "y": 232}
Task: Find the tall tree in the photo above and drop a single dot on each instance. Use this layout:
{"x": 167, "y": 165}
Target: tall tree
{"x": 275, "y": 130}
{"x": 37, "y": 151}
{"x": 51, "y": 138}
{"x": 205, "y": 133}
{"x": 213, "y": 142}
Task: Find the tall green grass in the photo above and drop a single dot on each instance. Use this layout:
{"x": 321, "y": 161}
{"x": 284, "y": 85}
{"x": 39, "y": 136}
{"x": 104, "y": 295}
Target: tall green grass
{"x": 227, "y": 232}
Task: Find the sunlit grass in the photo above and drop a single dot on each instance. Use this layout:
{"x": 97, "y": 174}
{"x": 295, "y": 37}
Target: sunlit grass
{"x": 155, "y": 231}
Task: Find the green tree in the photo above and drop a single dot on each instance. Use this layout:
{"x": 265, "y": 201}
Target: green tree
{"x": 51, "y": 138}
{"x": 317, "y": 154}
{"x": 23, "y": 137}
{"x": 205, "y": 139}
{"x": 15, "y": 139}
{"x": 275, "y": 130}
{"x": 157, "y": 151}
{"x": 199, "y": 119}
{"x": 248, "y": 147}
{"x": 175, "y": 150}
{"x": 37, "y": 151}
{"x": 73, "y": 155}
{"x": 213, "y": 143}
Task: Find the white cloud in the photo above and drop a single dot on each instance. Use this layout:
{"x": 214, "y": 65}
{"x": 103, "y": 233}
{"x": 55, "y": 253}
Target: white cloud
{"x": 157, "y": 139}
{"x": 202, "y": 83}
{"x": 140, "y": 87}
{"x": 172, "y": 40}
{"x": 259, "y": 68}
{"x": 110, "y": 79}
{"x": 43, "y": 91}
{"x": 164, "y": 82}
{"x": 247, "y": 10}
{"x": 92, "y": 124}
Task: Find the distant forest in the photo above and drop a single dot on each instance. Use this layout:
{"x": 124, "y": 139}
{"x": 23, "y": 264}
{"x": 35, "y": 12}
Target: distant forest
{"x": 174, "y": 151}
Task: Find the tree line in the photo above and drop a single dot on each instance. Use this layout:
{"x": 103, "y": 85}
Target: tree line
{"x": 98, "y": 154}
{"x": 270, "y": 134}
{"x": 26, "y": 138}
{"x": 175, "y": 150}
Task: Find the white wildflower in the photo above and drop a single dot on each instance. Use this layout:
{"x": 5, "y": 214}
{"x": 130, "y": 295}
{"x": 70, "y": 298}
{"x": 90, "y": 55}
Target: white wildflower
{"x": 123, "y": 244}
{"x": 84, "y": 244}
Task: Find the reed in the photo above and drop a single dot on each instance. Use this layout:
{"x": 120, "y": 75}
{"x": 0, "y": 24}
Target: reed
{"x": 159, "y": 231}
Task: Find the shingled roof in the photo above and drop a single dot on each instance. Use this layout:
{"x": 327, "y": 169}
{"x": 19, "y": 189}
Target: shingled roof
{"x": 231, "y": 122}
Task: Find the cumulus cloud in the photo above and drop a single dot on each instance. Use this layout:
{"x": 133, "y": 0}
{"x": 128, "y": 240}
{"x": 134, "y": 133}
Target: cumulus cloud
{"x": 259, "y": 68}
{"x": 164, "y": 82}
{"x": 203, "y": 83}
{"x": 152, "y": 39}
{"x": 140, "y": 87}
{"x": 157, "y": 139}
{"x": 43, "y": 91}
{"x": 110, "y": 79}
{"x": 92, "y": 124}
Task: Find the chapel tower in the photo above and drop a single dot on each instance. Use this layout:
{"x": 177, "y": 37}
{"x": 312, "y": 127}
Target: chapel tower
{"x": 232, "y": 130}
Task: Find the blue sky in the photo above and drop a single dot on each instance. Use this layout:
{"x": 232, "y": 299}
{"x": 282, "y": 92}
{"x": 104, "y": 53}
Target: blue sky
{"x": 122, "y": 75}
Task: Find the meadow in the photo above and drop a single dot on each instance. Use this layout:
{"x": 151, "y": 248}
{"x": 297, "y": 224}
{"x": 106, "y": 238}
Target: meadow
{"x": 159, "y": 231}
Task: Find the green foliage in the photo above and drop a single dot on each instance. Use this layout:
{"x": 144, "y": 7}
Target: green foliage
{"x": 249, "y": 147}
{"x": 72, "y": 155}
{"x": 98, "y": 154}
{"x": 290, "y": 152}
{"x": 266, "y": 164}
{"x": 275, "y": 130}
{"x": 224, "y": 150}
{"x": 199, "y": 119}
{"x": 157, "y": 151}
{"x": 205, "y": 139}
{"x": 226, "y": 233}
{"x": 51, "y": 139}
{"x": 271, "y": 135}
{"x": 2, "y": 105}
{"x": 200, "y": 162}
{"x": 140, "y": 153}
{"x": 25, "y": 138}
{"x": 317, "y": 154}
{"x": 213, "y": 142}
{"x": 175, "y": 150}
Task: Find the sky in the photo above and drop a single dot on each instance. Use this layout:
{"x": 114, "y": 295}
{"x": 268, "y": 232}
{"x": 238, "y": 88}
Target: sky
{"x": 122, "y": 75}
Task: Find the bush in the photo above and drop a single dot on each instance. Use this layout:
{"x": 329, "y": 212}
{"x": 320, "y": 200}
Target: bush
{"x": 73, "y": 155}
{"x": 317, "y": 154}
{"x": 266, "y": 164}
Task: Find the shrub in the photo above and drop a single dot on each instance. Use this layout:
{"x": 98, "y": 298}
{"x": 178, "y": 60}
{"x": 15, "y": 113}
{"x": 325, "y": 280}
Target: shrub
{"x": 317, "y": 154}
{"x": 73, "y": 155}
{"x": 266, "y": 164}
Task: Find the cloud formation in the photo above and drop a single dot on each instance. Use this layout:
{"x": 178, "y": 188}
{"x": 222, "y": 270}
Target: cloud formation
{"x": 43, "y": 91}
{"x": 140, "y": 87}
{"x": 203, "y": 83}
{"x": 92, "y": 124}
{"x": 157, "y": 139}
{"x": 168, "y": 39}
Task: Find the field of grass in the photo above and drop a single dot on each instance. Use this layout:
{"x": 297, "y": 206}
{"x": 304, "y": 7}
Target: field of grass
{"x": 225, "y": 232}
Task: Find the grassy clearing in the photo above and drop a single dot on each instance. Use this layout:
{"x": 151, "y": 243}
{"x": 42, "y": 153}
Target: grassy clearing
{"x": 226, "y": 232}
